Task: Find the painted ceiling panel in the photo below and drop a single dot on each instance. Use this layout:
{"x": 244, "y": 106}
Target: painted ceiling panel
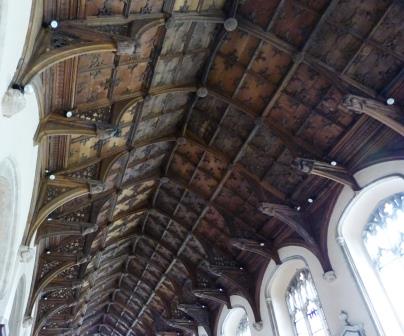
{"x": 179, "y": 129}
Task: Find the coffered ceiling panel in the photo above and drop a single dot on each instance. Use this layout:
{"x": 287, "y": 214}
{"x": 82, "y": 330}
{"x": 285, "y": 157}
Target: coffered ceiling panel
{"x": 185, "y": 142}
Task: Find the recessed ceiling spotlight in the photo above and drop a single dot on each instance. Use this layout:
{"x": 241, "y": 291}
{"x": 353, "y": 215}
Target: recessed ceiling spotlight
{"x": 333, "y": 163}
{"x": 53, "y": 24}
{"x": 202, "y": 92}
{"x": 52, "y": 177}
{"x": 262, "y": 244}
{"x": 241, "y": 268}
{"x": 390, "y": 101}
{"x": 69, "y": 114}
{"x": 220, "y": 289}
{"x": 298, "y": 208}
{"x": 48, "y": 252}
{"x": 310, "y": 200}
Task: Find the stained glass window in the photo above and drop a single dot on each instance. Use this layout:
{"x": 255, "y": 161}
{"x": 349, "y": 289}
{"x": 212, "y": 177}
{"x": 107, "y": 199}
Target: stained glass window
{"x": 236, "y": 323}
{"x": 383, "y": 237}
{"x": 243, "y": 329}
{"x": 304, "y": 306}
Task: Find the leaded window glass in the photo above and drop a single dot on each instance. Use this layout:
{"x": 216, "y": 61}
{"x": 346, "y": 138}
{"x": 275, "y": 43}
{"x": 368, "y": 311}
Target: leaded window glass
{"x": 304, "y": 306}
{"x": 383, "y": 237}
{"x": 243, "y": 329}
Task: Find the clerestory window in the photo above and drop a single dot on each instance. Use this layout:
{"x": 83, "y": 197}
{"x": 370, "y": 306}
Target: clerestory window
{"x": 304, "y": 306}
{"x": 243, "y": 328}
{"x": 383, "y": 237}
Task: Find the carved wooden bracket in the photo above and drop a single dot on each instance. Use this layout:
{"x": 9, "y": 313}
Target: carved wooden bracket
{"x": 54, "y": 46}
{"x": 214, "y": 295}
{"x": 391, "y": 116}
{"x": 63, "y": 228}
{"x": 290, "y": 217}
{"x": 58, "y": 125}
{"x": 242, "y": 281}
{"x": 187, "y": 326}
{"x": 47, "y": 279}
{"x": 199, "y": 313}
{"x": 52, "y": 312}
{"x": 259, "y": 248}
{"x": 335, "y": 173}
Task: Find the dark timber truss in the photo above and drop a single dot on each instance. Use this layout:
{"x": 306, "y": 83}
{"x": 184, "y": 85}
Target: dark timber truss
{"x": 181, "y": 141}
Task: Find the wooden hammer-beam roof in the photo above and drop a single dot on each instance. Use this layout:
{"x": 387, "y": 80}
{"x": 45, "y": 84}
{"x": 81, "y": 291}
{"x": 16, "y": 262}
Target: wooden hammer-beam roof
{"x": 168, "y": 123}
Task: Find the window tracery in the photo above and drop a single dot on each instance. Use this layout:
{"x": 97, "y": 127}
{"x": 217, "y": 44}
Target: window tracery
{"x": 236, "y": 323}
{"x": 383, "y": 237}
{"x": 243, "y": 328}
{"x": 304, "y": 306}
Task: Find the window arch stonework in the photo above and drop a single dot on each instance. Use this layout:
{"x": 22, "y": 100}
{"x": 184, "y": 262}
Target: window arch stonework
{"x": 363, "y": 216}
{"x": 304, "y": 306}
{"x": 236, "y": 323}
{"x": 8, "y": 200}
{"x": 383, "y": 237}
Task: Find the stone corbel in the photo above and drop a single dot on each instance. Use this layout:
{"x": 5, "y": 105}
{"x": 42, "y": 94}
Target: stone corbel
{"x": 258, "y": 325}
{"x": 329, "y": 276}
{"x": 335, "y": 173}
{"x": 27, "y": 322}
{"x": 26, "y": 254}
{"x": 60, "y": 227}
{"x": 13, "y": 102}
{"x": 188, "y": 326}
{"x": 389, "y": 115}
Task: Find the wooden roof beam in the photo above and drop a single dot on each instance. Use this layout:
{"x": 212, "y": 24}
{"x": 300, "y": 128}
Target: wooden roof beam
{"x": 339, "y": 80}
{"x": 217, "y": 296}
{"x": 335, "y": 172}
{"x": 211, "y": 16}
{"x": 65, "y": 228}
{"x": 47, "y": 279}
{"x": 295, "y": 145}
{"x": 389, "y": 115}
{"x": 291, "y": 217}
{"x": 255, "y": 247}
{"x": 199, "y": 313}
{"x": 50, "y": 314}
{"x": 187, "y": 326}
{"x": 196, "y": 141}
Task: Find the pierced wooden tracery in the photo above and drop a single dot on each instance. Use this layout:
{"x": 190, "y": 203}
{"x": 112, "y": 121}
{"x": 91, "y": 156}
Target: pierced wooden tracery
{"x": 189, "y": 133}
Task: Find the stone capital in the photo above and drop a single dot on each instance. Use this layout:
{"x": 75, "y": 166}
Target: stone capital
{"x": 12, "y": 103}
{"x": 25, "y": 253}
{"x": 329, "y": 276}
{"x": 27, "y": 322}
